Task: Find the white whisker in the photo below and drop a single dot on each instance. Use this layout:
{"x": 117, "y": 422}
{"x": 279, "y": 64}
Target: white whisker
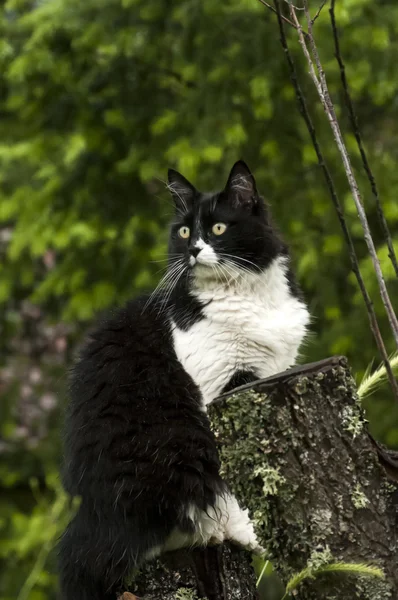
{"x": 162, "y": 283}
{"x": 170, "y": 290}
{"x": 240, "y": 258}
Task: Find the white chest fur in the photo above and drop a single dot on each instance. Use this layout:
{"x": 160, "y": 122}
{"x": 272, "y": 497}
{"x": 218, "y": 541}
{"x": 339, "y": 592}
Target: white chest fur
{"x": 253, "y": 324}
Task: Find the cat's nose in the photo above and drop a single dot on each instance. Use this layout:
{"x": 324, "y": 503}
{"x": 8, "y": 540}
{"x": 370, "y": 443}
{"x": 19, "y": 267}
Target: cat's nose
{"x": 194, "y": 251}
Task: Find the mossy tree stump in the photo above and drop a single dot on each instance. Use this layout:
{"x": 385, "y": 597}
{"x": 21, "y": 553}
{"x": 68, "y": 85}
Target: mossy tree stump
{"x": 217, "y": 573}
{"x": 295, "y": 450}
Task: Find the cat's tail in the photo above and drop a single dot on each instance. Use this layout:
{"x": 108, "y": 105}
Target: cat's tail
{"x": 95, "y": 557}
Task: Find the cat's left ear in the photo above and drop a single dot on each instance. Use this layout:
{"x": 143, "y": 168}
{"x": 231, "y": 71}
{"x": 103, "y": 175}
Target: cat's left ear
{"x": 182, "y": 191}
{"x": 241, "y": 187}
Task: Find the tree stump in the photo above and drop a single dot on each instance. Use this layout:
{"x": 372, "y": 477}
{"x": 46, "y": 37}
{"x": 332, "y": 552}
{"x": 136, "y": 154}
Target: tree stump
{"x": 218, "y": 573}
{"x": 296, "y": 451}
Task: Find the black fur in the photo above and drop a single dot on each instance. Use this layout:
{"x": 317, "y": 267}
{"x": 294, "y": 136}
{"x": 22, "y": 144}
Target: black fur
{"x": 138, "y": 450}
{"x": 239, "y": 378}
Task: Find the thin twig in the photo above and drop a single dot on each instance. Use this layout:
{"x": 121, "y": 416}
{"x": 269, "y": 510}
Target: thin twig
{"x": 332, "y": 191}
{"x": 358, "y": 137}
{"x": 323, "y": 92}
{"x": 295, "y": 7}
{"x": 273, "y": 10}
{"x": 318, "y": 12}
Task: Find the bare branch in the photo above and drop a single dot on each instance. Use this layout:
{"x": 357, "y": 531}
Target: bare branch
{"x": 318, "y": 12}
{"x": 332, "y": 190}
{"x": 323, "y": 92}
{"x": 273, "y": 10}
{"x": 294, "y": 6}
{"x": 358, "y": 137}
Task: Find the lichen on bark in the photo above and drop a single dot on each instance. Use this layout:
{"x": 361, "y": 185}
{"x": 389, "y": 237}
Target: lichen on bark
{"x": 222, "y": 572}
{"x": 295, "y": 450}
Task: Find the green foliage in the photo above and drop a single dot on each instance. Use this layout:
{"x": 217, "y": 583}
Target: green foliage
{"x": 359, "y": 570}
{"x": 97, "y": 99}
{"x": 372, "y": 381}
{"x": 27, "y": 540}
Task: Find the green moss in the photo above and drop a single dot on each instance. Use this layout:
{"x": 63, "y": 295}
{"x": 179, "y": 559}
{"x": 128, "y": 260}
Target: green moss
{"x": 244, "y": 463}
{"x": 353, "y": 420}
{"x": 358, "y": 497}
{"x": 372, "y": 589}
{"x": 319, "y": 557}
{"x": 321, "y": 518}
{"x": 389, "y": 487}
{"x": 271, "y": 479}
{"x": 301, "y": 386}
{"x": 185, "y": 594}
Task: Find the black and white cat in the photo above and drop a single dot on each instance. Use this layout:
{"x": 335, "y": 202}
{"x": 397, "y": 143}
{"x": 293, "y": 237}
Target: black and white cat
{"x": 138, "y": 449}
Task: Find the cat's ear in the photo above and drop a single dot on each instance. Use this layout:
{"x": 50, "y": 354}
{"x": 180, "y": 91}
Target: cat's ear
{"x": 182, "y": 191}
{"x": 241, "y": 187}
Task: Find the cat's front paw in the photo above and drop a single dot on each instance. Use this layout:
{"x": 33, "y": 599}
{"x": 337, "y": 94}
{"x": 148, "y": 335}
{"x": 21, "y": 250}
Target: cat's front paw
{"x": 257, "y": 549}
{"x": 240, "y": 531}
{"x": 248, "y": 541}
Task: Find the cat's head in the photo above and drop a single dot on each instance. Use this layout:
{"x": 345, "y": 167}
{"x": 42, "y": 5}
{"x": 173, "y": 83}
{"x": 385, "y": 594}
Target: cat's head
{"x": 214, "y": 234}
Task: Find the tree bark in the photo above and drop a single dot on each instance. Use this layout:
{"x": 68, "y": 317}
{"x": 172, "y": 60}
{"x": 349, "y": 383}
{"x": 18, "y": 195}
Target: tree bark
{"x": 216, "y": 572}
{"x": 296, "y": 451}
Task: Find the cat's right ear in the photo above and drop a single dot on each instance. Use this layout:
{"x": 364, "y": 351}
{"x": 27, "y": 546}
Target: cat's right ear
{"x": 182, "y": 191}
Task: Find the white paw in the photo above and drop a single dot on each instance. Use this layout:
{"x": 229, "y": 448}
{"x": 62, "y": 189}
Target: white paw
{"x": 256, "y": 549}
{"x": 239, "y": 528}
{"x": 244, "y": 535}
{"x": 225, "y": 521}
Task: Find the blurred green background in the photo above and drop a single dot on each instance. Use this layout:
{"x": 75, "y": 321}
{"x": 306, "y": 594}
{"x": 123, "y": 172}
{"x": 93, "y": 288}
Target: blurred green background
{"x": 97, "y": 99}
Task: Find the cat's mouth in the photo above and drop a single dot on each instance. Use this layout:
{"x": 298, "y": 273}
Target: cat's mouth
{"x": 200, "y": 265}
{"x": 205, "y": 272}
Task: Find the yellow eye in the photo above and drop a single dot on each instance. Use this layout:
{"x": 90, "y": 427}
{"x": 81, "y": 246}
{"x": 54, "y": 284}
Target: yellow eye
{"x": 219, "y": 228}
{"x": 184, "y": 232}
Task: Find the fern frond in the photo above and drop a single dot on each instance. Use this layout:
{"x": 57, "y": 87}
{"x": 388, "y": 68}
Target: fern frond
{"x": 295, "y": 581}
{"x": 338, "y": 567}
{"x": 355, "y": 568}
{"x": 371, "y": 381}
